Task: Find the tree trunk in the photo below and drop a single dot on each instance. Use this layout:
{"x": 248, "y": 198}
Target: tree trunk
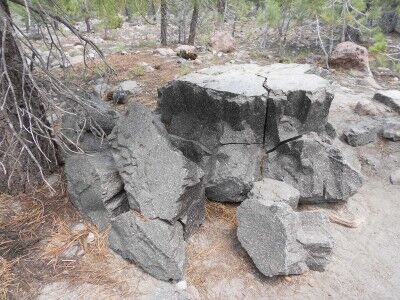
{"x": 22, "y": 146}
{"x": 164, "y": 22}
{"x": 151, "y": 11}
{"x": 193, "y": 23}
{"x": 87, "y": 22}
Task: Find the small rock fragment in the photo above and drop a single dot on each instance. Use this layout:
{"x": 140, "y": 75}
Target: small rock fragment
{"x": 395, "y": 177}
{"x": 391, "y": 131}
{"x": 361, "y": 134}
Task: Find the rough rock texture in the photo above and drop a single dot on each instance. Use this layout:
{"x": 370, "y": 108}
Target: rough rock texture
{"x": 348, "y": 55}
{"x": 281, "y": 241}
{"x": 129, "y": 87}
{"x": 321, "y": 171}
{"x": 267, "y": 231}
{"x": 156, "y": 246}
{"x": 315, "y": 236}
{"x": 159, "y": 180}
{"x": 395, "y": 178}
{"x": 234, "y": 169}
{"x": 227, "y": 107}
{"x": 390, "y": 98}
{"x": 361, "y": 134}
{"x": 391, "y": 131}
{"x": 95, "y": 186}
{"x": 223, "y": 42}
{"x": 275, "y": 191}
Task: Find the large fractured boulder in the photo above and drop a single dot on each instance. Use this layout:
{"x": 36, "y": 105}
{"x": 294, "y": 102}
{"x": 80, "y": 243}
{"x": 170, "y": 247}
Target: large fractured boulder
{"x": 155, "y": 245}
{"x": 222, "y": 117}
{"x": 159, "y": 180}
{"x": 95, "y": 186}
{"x": 281, "y": 241}
{"x": 321, "y": 170}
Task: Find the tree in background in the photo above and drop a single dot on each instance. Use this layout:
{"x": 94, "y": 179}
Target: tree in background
{"x": 164, "y": 22}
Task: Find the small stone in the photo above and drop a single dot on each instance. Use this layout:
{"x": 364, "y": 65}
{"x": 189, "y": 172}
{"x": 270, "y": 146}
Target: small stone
{"x": 391, "y": 131}
{"x": 181, "y": 285}
{"x": 90, "y": 238}
{"x": 368, "y": 108}
{"x": 395, "y": 178}
{"x": 361, "y": 134}
{"x": 78, "y": 228}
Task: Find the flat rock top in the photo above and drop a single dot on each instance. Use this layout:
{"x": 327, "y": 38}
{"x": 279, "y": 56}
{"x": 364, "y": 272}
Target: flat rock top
{"x": 248, "y": 79}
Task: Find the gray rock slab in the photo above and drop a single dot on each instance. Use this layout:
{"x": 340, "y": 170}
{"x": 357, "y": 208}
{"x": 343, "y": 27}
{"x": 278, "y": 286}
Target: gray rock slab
{"x": 234, "y": 169}
{"x": 315, "y": 236}
{"x": 155, "y": 245}
{"x": 268, "y": 233}
{"x": 271, "y": 190}
{"x": 322, "y": 170}
{"x": 95, "y": 187}
{"x": 390, "y": 98}
{"x": 391, "y": 130}
{"x": 158, "y": 179}
{"x": 361, "y": 134}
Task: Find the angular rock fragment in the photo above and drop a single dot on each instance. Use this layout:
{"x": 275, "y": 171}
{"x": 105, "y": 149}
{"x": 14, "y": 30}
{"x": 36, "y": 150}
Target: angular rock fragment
{"x": 268, "y": 232}
{"x": 390, "y": 98}
{"x": 234, "y": 169}
{"x": 155, "y": 245}
{"x": 281, "y": 241}
{"x": 95, "y": 186}
{"x": 361, "y": 134}
{"x": 275, "y": 191}
{"x": 321, "y": 171}
{"x": 159, "y": 180}
{"x": 391, "y": 131}
{"x": 315, "y": 236}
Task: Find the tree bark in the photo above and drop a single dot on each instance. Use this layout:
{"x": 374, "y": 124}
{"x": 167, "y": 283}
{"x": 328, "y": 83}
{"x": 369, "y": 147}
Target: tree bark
{"x": 22, "y": 146}
{"x": 193, "y": 23}
{"x": 164, "y": 22}
{"x": 151, "y": 11}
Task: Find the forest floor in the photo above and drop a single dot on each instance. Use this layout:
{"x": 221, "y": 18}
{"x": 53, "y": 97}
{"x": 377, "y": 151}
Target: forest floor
{"x": 37, "y": 228}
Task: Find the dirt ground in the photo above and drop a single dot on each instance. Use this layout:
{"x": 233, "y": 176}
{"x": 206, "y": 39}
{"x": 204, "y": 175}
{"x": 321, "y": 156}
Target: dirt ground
{"x": 365, "y": 262}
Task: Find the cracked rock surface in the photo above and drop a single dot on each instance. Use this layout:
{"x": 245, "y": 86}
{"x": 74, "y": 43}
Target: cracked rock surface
{"x": 224, "y": 117}
{"x": 158, "y": 179}
{"x": 155, "y": 245}
{"x": 95, "y": 187}
{"x": 281, "y": 241}
{"x": 322, "y": 170}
